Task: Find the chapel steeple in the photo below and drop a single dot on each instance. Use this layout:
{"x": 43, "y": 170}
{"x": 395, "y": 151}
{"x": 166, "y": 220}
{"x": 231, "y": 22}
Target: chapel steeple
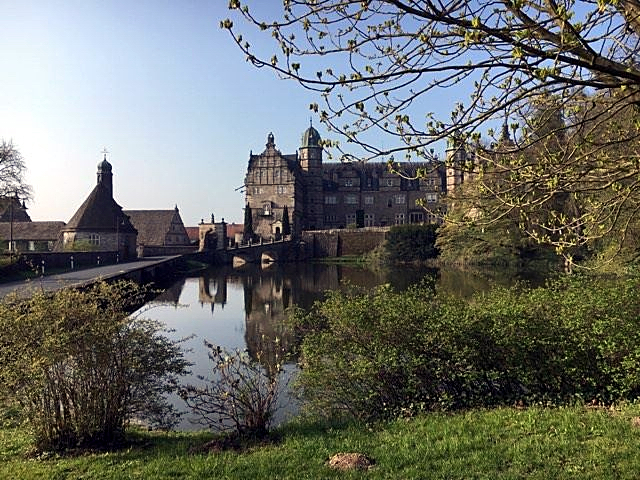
{"x": 105, "y": 174}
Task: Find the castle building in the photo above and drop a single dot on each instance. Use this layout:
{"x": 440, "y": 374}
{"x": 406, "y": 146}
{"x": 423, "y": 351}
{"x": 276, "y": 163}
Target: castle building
{"x": 321, "y": 195}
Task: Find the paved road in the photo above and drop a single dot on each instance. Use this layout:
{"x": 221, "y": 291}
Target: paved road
{"x": 76, "y": 278}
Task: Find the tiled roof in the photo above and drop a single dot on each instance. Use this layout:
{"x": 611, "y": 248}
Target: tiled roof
{"x": 100, "y": 212}
{"x": 31, "y": 230}
{"x": 233, "y": 228}
{"x": 194, "y": 233}
{"x": 153, "y": 225}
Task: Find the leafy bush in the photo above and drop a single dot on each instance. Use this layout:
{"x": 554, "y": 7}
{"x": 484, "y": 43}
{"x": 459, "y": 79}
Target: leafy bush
{"x": 384, "y": 353}
{"x": 81, "y": 367}
{"x": 241, "y": 396}
{"x": 408, "y": 243}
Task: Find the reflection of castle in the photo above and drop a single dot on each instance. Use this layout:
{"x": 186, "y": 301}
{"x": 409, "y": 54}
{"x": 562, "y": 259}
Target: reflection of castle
{"x": 268, "y": 293}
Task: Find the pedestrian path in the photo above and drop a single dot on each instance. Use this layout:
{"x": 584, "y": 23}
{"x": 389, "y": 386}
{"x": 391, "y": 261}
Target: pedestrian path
{"x": 77, "y": 278}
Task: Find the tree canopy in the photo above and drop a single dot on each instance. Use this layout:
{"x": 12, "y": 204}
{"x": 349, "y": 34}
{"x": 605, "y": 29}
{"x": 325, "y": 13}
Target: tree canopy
{"x": 379, "y": 66}
{"x": 12, "y": 170}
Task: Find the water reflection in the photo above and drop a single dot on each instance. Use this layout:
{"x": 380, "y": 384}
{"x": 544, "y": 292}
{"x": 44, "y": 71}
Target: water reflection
{"x": 246, "y": 308}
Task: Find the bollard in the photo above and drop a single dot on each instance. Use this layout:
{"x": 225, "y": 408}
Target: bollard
{"x": 71, "y": 259}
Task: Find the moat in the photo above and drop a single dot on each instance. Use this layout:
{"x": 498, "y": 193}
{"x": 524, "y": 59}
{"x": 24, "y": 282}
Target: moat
{"x": 245, "y": 308}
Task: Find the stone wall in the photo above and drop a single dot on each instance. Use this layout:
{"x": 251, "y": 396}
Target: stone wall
{"x": 340, "y": 242}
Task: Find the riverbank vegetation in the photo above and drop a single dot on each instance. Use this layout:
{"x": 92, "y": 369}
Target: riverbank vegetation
{"x": 384, "y": 354}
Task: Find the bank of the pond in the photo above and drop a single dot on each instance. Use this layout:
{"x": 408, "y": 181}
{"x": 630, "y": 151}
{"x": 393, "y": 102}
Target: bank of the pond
{"x": 566, "y": 443}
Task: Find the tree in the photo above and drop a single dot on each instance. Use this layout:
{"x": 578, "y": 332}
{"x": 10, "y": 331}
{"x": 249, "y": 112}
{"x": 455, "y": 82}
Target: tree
{"x": 286, "y": 224}
{"x": 248, "y": 223}
{"x": 12, "y": 169}
{"x": 380, "y": 65}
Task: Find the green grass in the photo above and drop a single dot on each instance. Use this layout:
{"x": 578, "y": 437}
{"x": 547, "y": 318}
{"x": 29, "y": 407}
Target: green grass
{"x": 532, "y": 443}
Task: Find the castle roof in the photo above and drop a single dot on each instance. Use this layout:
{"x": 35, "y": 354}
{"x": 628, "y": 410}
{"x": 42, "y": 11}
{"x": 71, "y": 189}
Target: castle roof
{"x": 100, "y": 212}
{"x": 310, "y": 138}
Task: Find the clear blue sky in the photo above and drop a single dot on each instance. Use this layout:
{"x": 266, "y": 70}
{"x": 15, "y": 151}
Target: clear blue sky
{"x": 158, "y": 84}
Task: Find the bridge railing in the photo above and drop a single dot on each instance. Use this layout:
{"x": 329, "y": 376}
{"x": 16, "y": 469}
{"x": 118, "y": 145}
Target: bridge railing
{"x": 261, "y": 241}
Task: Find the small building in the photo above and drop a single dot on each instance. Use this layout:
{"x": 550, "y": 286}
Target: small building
{"x": 100, "y": 224}
{"x": 159, "y": 228}
{"x": 30, "y": 236}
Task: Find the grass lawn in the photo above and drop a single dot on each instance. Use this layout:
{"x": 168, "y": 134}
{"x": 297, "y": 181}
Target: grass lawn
{"x": 531, "y": 443}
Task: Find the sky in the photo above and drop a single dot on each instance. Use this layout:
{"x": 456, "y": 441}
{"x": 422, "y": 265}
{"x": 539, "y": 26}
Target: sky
{"x": 155, "y": 82}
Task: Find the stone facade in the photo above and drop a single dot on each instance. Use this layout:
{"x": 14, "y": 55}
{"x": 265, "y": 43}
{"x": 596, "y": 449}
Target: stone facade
{"x": 339, "y": 195}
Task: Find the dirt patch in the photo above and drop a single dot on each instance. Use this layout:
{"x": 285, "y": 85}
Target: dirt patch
{"x": 350, "y": 461}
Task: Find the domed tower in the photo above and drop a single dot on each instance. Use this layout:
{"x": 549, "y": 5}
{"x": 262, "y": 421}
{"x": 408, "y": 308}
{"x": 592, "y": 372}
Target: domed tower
{"x": 310, "y": 157}
{"x": 105, "y": 175}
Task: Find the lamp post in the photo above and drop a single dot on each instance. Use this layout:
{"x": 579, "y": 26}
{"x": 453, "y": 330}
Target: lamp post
{"x": 11, "y": 200}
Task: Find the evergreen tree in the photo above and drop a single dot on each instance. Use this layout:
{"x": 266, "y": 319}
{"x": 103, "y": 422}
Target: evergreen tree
{"x": 286, "y": 225}
{"x": 248, "y": 224}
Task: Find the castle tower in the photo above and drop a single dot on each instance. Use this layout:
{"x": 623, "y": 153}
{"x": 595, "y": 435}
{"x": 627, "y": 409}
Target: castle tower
{"x": 310, "y": 157}
{"x": 456, "y": 158}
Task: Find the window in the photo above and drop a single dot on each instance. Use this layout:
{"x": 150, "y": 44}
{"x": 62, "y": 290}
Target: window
{"x": 432, "y": 197}
{"x": 281, "y": 189}
{"x": 94, "y": 239}
{"x": 416, "y": 217}
{"x": 348, "y": 182}
{"x": 368, "y": 220}
{"x": 351, "y": 200}
{"x": 330, "y": 218}
{"x": 401, "y": 199}
{"x": 389, "y": 182}
{"x": 257, "y": 190}
{"x": 368, "y": 199}
{"x": 32, "y": 245}
{"x": 330, "y": 200}
{"x": 266, "y": 209}
{"x": 351, "y": 218}
{"x": 399, "y": 218}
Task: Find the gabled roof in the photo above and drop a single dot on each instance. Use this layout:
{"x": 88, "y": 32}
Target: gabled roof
{"x": 154, "y": 225}
{"x": 100, "y": 212}
{"x": 31, "y": 230}
{"x": 19, "y": 213}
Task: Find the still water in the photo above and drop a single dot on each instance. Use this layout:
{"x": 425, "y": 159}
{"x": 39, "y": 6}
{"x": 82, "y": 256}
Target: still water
{"x": 245, "y": 308}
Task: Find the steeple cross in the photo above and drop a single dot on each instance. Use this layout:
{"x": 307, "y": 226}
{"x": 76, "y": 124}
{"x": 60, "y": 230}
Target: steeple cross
{"x": 105, "y": 151}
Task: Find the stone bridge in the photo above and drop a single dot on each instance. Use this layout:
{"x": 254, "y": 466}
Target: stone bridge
{"x": 262, "y": 252}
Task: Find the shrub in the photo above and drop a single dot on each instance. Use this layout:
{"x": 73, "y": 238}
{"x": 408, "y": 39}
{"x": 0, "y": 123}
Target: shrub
{"x": 409, "y": 243}
{"x": 81, "y": 368}
{"x": 384, "y": 353}
{"x": 240, "y": 397}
